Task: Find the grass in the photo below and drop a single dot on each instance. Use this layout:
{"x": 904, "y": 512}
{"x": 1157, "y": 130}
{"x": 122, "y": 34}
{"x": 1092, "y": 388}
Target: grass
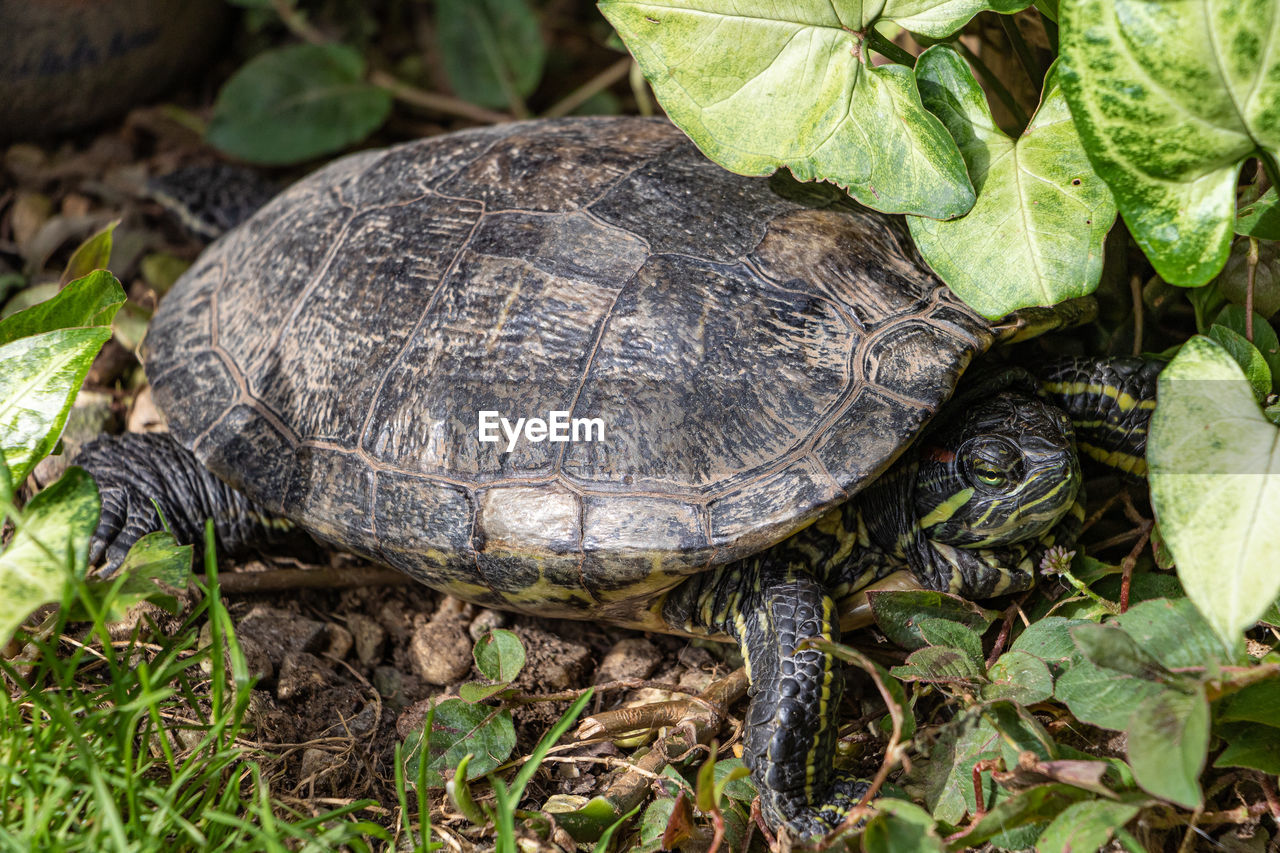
{"x": 124, "y": 745}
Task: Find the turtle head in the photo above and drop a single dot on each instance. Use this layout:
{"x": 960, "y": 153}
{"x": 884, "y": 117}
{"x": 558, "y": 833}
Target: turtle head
{"x": 1003, "y": 471}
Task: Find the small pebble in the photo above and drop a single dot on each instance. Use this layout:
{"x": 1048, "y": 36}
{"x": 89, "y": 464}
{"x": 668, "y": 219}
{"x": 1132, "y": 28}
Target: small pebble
{"x": 388, "y": 681}
{"x": 369, "y": 638}
{"x": 340, "y": 641}
{"x": 633, "y": 657}
{"x": 440, "y": 650}
{"x": 280, "y": 632}
{"x": 485, "y": 621}
{"x": 300, "y": 673}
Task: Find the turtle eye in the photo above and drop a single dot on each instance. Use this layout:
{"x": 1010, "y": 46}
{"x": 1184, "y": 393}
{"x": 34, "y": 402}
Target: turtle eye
{"x": 992, "y": 463}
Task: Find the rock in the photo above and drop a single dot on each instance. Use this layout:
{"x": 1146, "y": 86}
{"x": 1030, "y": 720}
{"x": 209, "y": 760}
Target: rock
{"x": 301, "y": 673}
{"x": 340, "y": 641}
{"x": 485, "y": 621}
{"x": 280, "y": 633}
{"x": 369, "y": 638}
{"x": 633, "y": 657}
{"x": 440, "y": 650}
{"x": 259, "y": 663}
{"x": 315, "y": 763}
{"x": 388, "y": 681}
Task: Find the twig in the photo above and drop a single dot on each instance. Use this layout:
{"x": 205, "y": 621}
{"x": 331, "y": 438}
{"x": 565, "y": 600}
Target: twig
{"x": 640, "y": 90}
{"x": 1025, "y": 59}
{"x": 297, "y": 23}
{"x": 1248, "y": 293}
{"x": 248, "y": 583}
{"x": 596, "y": 84}
{"x": 1135, "y": 288}
{"x": 1268, "y": 786}
{"x": 446, "y": 104}
{"x": 994, "y": 84}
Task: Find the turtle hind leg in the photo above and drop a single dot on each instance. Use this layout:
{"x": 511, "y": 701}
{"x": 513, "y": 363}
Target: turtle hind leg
{"x": 792, "y": 722}
{"x": 147, "y": 481}
{"x": 769, "y": 604}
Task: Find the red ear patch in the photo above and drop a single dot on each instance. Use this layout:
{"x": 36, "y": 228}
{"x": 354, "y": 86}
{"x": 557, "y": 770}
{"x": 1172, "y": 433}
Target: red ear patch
{"x": 938, "y": 454}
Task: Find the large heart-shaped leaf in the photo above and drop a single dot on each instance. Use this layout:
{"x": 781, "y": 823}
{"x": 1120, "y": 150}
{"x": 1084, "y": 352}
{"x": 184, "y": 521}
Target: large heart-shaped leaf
{"x": 940, "y": 18}
{"x": 1214, "y": 463}
{"x": 1170, "y": 97}
{"x": 1034, "y": 236}
{"x": 294, "y": 103}
{"x": 51, "y": 544}
{"x": 89, "y": 301}
{"x": 759, "y": 85}
{"x": 41, "y": 376}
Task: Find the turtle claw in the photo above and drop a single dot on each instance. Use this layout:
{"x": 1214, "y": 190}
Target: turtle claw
{"x": 127, "y": 514}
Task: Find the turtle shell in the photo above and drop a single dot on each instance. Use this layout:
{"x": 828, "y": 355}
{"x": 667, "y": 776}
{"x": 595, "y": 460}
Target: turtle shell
{"x": 757, "y": 349}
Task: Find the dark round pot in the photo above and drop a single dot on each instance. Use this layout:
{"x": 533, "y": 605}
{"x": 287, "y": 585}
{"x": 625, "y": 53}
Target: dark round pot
{"x": 66, "y": 64}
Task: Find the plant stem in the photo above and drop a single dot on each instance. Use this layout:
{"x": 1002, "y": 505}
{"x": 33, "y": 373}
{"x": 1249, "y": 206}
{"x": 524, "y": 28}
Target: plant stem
{"x": 1050, "y": 32}
{"x": 446, "y": 104}
{"x": 297, "y": 24}
{"x": 881, "y": 45}
{"x": 1248, "y": 293}
{"x": 994, "y": 84}
{"x": 583, "y": 93}
{"x": 1022, "y": 51}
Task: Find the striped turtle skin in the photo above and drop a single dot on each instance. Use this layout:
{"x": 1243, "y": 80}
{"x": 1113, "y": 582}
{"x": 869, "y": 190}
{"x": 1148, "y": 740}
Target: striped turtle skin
{"x": 760, "y": 352}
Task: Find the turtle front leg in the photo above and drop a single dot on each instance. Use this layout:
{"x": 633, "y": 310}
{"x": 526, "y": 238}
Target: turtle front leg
{"x": 791, "y": 727}
{"x": 141, "y": 476}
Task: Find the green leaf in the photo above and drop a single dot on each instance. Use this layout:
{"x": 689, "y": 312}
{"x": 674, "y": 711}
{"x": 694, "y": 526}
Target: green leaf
{"x": 1168, "y": 737}
{"x": 1247, "y": 357}
{"x": 92, "y": 254}
{"x": 6, "y": 491}
{"x": 899, "y": 613}
{"x": 1109, "y": 646}
{"x": 156, "y": 569}
{"x": 940, "y": 18}
{"x": 1170, "y": 96}
{"x": 1049, "y": 639}
{"x": 939, "y": 664}
{"x": 1262, "y": 218}
{"x": 1085, "y": 826}
{"x": 492, "y": 50}
{"x": 949, "y": 782}
{"x": 499, "y": 655}
{"x": 50, "y": 548}
{"x": 1034, "y": 236}
{"x": 1257, "y": 703}
{"x": 1264, "y": 337}
{"x": 1174, "y": 632}
{"x": 1250, "y": 745}
{"x": 1034, "y": 805}
{"x": 89, "y": 301}
{"x": 946, "y": 632}
{"x": 1213, "y": 461}
{"x": 294, "y": 103}
{"x": 458, "y": 728}
{"x": 900, "y": 827}
{"x": 42, "y": 375}
{"x": 759, "y": 86}
{"x": 1019, "y": 677}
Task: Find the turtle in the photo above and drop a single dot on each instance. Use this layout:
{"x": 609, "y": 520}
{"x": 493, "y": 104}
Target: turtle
{"x": 725, "y": 402}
